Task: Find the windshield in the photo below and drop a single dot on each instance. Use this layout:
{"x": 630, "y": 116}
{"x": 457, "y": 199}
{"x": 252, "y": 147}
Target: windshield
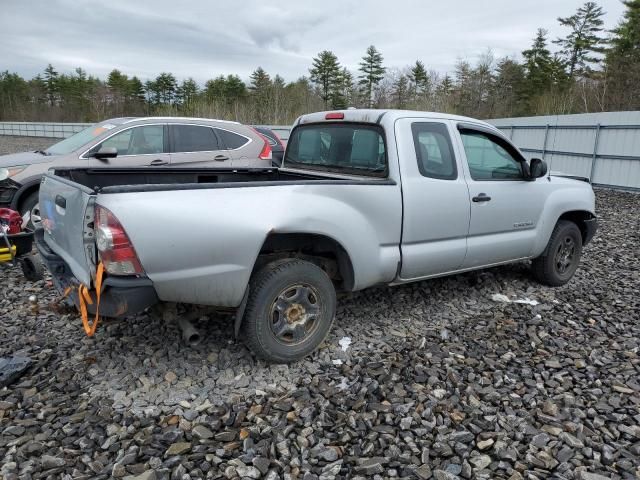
{"x": 79, "y": 139}
{"x": 338, "y": 147}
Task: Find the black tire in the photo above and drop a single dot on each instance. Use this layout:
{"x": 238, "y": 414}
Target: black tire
{"x": 559, "y": 262}
{"x": 28, "y": 205}
{"x": 289, "y": 311}
{"x": 32, "y": 268}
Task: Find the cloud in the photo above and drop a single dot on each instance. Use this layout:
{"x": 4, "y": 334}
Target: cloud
{"x": 203, "y": 39}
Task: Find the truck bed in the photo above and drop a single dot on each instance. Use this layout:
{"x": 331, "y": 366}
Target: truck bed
{"x": 149, "y": 179}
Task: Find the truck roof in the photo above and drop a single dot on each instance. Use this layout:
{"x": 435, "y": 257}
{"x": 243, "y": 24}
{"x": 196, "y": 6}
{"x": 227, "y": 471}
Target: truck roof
{"x": 366, "y": 115}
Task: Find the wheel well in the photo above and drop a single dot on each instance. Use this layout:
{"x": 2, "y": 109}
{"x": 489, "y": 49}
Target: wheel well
{"x": 324, "y": 251}
{"x": 25, "y": 193}
{"x": 578, "y": 217}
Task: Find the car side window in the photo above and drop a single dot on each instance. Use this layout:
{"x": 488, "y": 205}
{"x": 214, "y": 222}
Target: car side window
{"x": 434, "y": 151}
{"x": 146, "y": 139}
{"x": 231, "y": 140}
{"x": 489, "y": 158}
{"x": 193, "y": 138}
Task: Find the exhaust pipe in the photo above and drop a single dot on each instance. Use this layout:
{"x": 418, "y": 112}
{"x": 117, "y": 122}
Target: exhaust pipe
{"x": 190, "y": 334}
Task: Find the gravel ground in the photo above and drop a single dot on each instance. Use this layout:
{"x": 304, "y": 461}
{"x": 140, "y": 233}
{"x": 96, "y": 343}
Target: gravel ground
{"x": 439, "y": 381}
{"x": 11, "y": 144}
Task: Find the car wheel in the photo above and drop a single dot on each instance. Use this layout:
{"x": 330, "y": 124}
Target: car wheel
{"x": 289, "y": 311}
{"x": 557, "y": 265}
{"x": 32, "y": 268}
{"x": 31, "y": 206}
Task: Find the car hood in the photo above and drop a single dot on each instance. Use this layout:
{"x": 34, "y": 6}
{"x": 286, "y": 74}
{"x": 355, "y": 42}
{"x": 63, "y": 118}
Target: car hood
{"x": 24, "y": 158}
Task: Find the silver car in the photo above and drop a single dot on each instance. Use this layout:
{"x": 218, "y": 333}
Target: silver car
{"x": 134, "y": 142}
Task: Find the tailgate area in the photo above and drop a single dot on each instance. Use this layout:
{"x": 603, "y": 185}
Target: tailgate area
{"x": 120, "y": 297}
{"x": 67, "y": 219}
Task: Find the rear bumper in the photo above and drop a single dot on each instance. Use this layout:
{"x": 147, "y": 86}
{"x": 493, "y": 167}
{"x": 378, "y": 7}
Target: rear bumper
{"x": 120, "y": 296}
{"x": 591, "y": 226}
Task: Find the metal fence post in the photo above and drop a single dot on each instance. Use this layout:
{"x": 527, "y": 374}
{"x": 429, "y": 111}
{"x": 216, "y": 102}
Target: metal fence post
{"x": 596, "y": 141}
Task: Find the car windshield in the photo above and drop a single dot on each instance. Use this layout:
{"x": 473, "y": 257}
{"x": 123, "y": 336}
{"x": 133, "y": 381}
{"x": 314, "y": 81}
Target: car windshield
{"x": 338, "y": 147}
{"x": 74, "y": 142}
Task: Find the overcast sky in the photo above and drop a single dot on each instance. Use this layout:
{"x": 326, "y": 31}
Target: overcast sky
{"x": 204, "y": 39}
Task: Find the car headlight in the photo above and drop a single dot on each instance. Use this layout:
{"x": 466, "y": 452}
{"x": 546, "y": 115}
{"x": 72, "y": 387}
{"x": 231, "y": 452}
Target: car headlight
{"x": 13, "y": 171}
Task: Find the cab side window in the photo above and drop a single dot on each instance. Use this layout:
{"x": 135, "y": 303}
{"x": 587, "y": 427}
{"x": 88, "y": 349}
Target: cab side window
{"x": 434, "y": 151}
{"x": 147, "y": 139}
{"x": 489, "y": 158}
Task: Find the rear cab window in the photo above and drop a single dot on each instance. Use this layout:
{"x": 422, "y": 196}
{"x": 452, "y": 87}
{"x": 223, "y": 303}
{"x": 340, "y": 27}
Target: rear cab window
{"x": 349, "y": 148}
{"x": 434, "y": 151}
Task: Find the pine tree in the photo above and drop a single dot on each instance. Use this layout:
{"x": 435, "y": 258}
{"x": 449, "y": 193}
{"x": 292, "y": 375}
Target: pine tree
{"x": 51, "y": 84}
{"x": 419, "y": 79}
{"x": 507, "y": 88}
{"x": 260, "y": 81}
{"x": 235, "y": 89}
{"x": 260, "y": 87}
{"x": 579, "y": 47}
{"x": 117, "y": 82}
{"x": 165, "y": 88}
{"x": 538, "y": 64}
{"x": 325, "y": 73}
{"x": 135, "y": 89}
{"x": 625, "y": 42}
{"x": 400, "y": 92}
{"x": 188, "y": 91}
{"x": 344, "y": 94}
{"x": 372, "y": 71}
{"x": 623, "y": 61}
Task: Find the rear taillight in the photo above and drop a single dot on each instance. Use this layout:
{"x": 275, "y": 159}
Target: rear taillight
{"x": 114, "y": 247}
{"x": 265, "y": 153}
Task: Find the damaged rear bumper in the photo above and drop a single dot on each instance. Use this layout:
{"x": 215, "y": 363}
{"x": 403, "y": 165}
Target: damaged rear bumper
{"x": 120, "y": 296}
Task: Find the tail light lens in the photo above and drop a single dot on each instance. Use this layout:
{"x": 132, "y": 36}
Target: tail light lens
{"x": 265, "y": 153}
{"x": 114, "y": 247}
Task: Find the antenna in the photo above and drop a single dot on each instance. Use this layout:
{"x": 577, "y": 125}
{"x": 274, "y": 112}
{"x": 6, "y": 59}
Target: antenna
{"x": 553, "y": 147}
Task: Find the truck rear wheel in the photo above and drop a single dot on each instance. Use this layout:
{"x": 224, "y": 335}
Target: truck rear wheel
{"x": 31, "y": 206}
{"x": 290, "y": 310}
{"x": 558, "y": 263}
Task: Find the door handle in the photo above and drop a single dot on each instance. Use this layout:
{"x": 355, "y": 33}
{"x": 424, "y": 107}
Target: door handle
{"x": 61, "y": 201}
{"x": 220, "y": 158}
{"x": 158, "y": 162}
{"x": 483, "y": 197}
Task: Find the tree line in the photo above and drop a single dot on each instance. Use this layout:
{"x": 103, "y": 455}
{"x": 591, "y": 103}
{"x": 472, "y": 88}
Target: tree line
{"x": 589, "y": 69}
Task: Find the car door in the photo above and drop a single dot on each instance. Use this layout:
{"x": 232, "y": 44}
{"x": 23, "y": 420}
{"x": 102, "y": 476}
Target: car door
{"x": 197, "y": 145}
{"x": 436, "y": 199}
{"x": 505, "y": 206}
{"x": 138, "y": 146}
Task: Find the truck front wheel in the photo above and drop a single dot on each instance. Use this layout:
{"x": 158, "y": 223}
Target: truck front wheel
{"x": 290, "y": 310}
{"x": 560, "y": 260}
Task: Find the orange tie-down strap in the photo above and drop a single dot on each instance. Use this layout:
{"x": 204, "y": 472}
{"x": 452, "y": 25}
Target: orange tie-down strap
{"x": 84, "y": 298}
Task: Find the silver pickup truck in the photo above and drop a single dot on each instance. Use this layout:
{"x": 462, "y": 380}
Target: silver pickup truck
{"x": 364, "y": 197}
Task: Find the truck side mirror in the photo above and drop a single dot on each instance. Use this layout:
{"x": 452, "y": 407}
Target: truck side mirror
{"x": 538, "y": 168}
{"x": 106, "y": 153}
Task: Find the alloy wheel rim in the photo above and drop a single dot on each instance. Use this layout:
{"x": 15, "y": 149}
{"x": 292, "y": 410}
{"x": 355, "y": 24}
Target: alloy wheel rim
{"x": 34, "y": 215}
